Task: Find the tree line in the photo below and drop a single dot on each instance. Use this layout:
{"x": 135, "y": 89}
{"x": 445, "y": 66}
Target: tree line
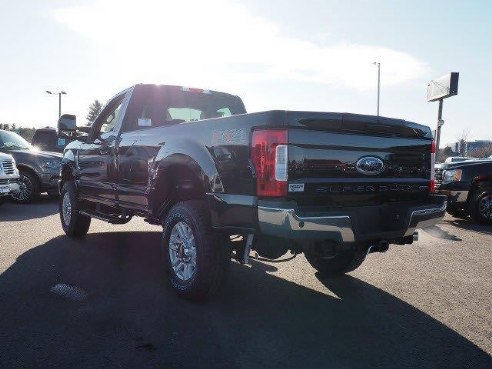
{"x": 28, "y": 133}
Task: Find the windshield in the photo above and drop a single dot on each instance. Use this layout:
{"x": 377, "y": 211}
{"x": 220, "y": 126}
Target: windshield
{"x": 11, "y": 140}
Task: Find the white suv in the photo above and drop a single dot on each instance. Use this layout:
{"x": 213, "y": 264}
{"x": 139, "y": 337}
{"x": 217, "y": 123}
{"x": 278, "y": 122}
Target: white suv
{"x": 9, "y": 176}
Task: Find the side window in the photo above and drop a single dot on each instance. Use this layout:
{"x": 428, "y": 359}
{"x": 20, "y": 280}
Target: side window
{"x": 107, "y": 120}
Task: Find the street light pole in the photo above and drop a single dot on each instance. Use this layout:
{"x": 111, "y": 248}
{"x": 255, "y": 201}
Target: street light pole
{"x": 378, "y": 64}
{"x": 59, "y": 99}
{"x": 440, "y": 123}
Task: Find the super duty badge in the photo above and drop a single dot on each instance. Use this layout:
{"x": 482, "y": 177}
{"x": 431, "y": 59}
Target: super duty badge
{"x": 296, "y": 187}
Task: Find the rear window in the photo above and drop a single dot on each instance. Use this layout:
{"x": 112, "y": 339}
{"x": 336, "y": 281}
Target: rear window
{"x": 191, "y": 106}
{"x": 163, "y": 105}
{"x": 48, "y": 140}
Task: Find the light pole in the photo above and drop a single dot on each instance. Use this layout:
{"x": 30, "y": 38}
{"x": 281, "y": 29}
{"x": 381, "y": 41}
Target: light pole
{"x": 378, "y": 64}
{"x": 59, "y": 99}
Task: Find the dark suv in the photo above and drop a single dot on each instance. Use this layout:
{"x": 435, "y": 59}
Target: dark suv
{"x": 39, "y": 170}
{"x": 469, "y": 189}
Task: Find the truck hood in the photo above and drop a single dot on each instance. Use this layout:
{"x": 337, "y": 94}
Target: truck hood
{"x": 4, "y": 156}
{"x": 27, "y": 156}
{"x": 465, "y": 164}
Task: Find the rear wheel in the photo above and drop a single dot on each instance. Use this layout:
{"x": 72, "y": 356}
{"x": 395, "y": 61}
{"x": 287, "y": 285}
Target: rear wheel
{"x": 196, "y": 257}
{"x": 482, "y": 207}
{"x": 29, "y": 187}
{"x": 73, "y": 223}
{"x": 329, "y": 258}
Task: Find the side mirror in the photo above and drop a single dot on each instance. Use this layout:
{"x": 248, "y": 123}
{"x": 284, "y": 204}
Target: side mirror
{"x": 67, "y": 123}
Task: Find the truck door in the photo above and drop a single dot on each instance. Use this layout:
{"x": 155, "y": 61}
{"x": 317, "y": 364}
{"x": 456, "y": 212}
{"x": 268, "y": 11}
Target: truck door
{"x": 97, "y": 157}
{"x": 137, "y": 148}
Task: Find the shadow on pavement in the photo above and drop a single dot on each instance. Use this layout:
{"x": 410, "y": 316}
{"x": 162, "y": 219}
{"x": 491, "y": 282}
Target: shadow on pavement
{"x": 437, "y": 232}
{"x": 132, "y": 318}
{"x": 43, "y": 207}
{"x": 469, "y": 225}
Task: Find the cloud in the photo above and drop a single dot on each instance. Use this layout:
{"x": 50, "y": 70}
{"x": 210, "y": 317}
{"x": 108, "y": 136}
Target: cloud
{"x": 202, "y": 41}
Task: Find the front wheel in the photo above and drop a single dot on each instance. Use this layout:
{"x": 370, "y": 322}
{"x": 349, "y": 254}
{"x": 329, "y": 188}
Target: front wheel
{"x": 29, "y": 188}
{"x": 482, "y": 208}
{"x": 329, "y": 258}
{"x": 73, "y": 223}
{"x": 197, "y": 258}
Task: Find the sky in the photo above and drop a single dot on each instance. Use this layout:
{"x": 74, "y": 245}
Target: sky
{"x": 298, "y": 55}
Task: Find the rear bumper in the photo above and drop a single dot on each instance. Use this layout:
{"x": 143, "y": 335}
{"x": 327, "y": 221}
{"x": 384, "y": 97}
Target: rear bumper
{"x": 350, "y": 225}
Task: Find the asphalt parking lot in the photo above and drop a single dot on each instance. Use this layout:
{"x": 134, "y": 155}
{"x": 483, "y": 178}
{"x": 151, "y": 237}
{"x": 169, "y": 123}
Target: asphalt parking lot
{"x": 422, "y": 306}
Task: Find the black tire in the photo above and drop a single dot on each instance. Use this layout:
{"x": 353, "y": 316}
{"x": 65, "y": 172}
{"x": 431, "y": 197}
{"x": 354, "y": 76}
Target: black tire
{"x": 337, "y": 262}
{"x": 77, "y": 225}
{"x": 212, "y": 254}
{"x": 2, "y": 200}
{"x": 481, "y": 207}
{"x": 30, "y": 188}
{"x": 458, "y": 213}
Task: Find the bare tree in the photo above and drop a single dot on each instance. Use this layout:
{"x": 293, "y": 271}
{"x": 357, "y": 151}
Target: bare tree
{"x": 462, "y": 140}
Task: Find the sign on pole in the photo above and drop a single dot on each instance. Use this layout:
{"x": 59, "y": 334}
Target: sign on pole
{"x": 437, "y": 90}
{"x": 443, "y": 87}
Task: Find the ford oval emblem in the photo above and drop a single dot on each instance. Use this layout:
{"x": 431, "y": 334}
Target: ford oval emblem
{"x": 370, "y": 165}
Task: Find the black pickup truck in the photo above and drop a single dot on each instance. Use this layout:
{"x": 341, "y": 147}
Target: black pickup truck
{"x": 468, "y": 186}
{"x": 221, "y": 182}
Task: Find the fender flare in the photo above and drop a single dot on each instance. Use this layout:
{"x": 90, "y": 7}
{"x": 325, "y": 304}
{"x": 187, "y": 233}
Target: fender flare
{"x": 68, "y": 168}
{"x": 193, "y": 156}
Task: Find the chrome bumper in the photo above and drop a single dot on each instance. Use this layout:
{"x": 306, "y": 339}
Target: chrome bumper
{"x": 424, "y": 218}
{"x": 287, "y": 223}
{"x": 12, "y": 188}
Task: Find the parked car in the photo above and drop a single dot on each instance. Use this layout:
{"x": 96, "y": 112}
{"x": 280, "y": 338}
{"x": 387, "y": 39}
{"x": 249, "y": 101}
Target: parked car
{"x": 334, "y": 186}
{"x": 457, "y": 159}
{"x": 439, "y": 167}
{"x": 47, "y": 139}
{"x": 9, "y": 177}
{"x": 39, "y": 170}
{"x": 468, "y": 186}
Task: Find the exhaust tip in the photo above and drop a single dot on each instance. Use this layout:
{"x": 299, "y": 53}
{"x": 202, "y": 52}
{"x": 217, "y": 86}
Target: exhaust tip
{"x": 416, "y": 236}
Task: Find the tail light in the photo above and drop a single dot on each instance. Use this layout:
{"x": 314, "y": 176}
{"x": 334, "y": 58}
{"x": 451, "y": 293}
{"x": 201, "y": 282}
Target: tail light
{"x": 433, "y": 147}
{"x": 432, "y": 184}
{"x": 269, "y": 154}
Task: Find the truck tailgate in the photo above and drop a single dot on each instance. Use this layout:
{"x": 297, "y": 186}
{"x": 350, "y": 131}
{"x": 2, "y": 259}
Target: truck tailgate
{"x": 355, "y": 160}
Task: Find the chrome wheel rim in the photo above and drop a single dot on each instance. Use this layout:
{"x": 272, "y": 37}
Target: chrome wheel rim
{"x": 485, "y": 207}
{"x": 182, "y": 251}
{"x": 66, "y": 209}
{"x": 25, "y": 189}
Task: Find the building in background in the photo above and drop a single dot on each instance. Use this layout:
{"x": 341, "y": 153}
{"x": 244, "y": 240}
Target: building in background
{"x": 477, "y": 148}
